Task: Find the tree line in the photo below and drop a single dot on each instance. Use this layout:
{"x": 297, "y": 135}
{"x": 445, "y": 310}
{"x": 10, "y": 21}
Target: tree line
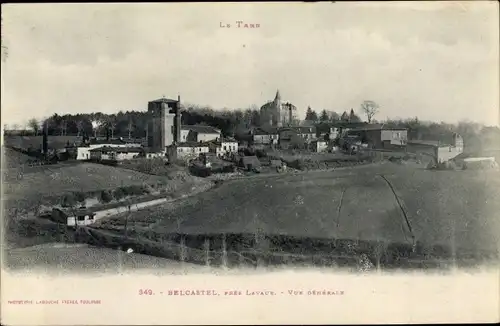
{"x": 133, "y": 124}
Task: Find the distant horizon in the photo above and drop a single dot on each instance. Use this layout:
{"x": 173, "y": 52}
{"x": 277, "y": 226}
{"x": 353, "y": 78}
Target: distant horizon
{"x": 437, "y": 61}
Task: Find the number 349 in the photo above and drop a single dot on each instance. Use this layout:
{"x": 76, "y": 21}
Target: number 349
{"x": 146, "y": 292}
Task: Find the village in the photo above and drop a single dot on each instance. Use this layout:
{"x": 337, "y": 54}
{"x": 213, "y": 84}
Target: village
{"x": 279, "y": 145}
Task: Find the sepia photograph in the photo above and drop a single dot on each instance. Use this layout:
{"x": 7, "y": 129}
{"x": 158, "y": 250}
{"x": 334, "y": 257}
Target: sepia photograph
{"x": 198, "y": 141}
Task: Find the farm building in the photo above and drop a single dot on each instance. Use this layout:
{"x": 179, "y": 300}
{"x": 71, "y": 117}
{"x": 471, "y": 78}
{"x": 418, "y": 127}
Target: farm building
{"x": 191, "y": 150}
{"x": 340, "y": 129}
{"x": 86, "y": 216}
{"x": 265, "y": 136}
{"x": 151, "y": 153}
{"x": 296, "y": 137}
{"x": 82, "y": 216}
{"x": 318, "y": 145}
{"x": 381, "y": 137}
{"x": 249, "y": 162}
{"x": 83, "y": 150}
{"x": 307, "y": 133}
{"x": 441, "y": 151}
{"x": 108, "y": 153}
{"x": 199, "y": 133}
{"x": 223, "y": 147}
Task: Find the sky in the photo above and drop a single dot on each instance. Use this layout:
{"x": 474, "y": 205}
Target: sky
{"x": 437, "y": 61}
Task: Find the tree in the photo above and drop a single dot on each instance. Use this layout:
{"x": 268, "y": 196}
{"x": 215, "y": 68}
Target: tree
{"x": 96, "y": 123}
{"x": 80, "y": 127}
{"x": 33, "y": 124}
{"x": 311, "y": 115}
{"x": 324, "y": 116}
{"x": 106, "y": 196}
{"x": 334, "y": 116}
{"x": 344, "y": 117}
{"x": 111, "y": 125}
{"x": 353, "y": 117}
{"x": 130, "y": 128}
{"x": 370, "y": 108}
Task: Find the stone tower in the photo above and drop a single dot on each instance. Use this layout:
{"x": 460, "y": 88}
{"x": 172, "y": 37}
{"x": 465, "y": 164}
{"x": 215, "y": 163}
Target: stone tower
{"x": 277, "y": 109}
{"x": 164, "y": 125}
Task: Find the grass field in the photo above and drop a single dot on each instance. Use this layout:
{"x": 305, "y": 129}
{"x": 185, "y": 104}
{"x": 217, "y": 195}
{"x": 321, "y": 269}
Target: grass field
{"x": 35, "y": 142}
{"x": 12, "y": 159}
{"x": 85, "y": 177}
{"x": 444, "y": 208}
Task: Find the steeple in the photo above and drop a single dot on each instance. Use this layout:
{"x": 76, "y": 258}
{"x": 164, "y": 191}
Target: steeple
{"x": 278, "y": 96}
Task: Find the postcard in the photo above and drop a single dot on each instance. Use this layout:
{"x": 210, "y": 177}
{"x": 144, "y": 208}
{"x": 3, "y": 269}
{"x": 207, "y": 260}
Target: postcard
{"x": 250, "y": 163}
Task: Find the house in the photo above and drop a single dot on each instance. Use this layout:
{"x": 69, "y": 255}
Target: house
{"x": 108, "y": 153}
{"x": 152, "y": 153}
{"x": 296, "y": 136}
{"x": 224, "y": 146}
{"x": 437, "y": 151}
{"x": 83, "y": 150}
{"x": 191, "y": 150}
{"x": 250, "y": 163}
{"x": 340, "y": 129}
{"x": 318, "y": 145}
{"x": 81, "y": 216}
{"x": 307, "y": 133}
{"x": 85, "y": 216}
{"x": 264, "y": 136}
{"x": 199, "y": 133}
{"x": 380, "y": 136}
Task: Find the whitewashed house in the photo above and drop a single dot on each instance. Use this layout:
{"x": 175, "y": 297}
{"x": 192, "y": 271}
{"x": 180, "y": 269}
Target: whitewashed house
{"x": 83, "y": 151}
{"x": 223, "y": 147}
{"x": 190, "y": 150}
{"x": 199, "y": 133}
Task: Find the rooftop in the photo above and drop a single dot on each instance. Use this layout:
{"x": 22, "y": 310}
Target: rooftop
{"x": 366, "y": 126}
{"x": 118, "y": 149}
{"x": 193, "y": 144}
{"x": 265, "y": 131}
{"x": 115, "y": 141}
{"x": 300, "y": 129}
{"x": 164, "y": 100}
{"x": 201, "y": 129}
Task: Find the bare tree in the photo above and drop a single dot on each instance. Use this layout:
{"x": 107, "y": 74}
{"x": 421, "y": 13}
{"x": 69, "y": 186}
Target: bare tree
{"x": 96, "y": 123}
{"x": 35, "y": 125}
{"x": 370, "y": 108}
{"x": 111, "y": 124}
{"x": 63, "y": 126}
{"x": 130, "y": 128}
{"x": 79, "y": 126}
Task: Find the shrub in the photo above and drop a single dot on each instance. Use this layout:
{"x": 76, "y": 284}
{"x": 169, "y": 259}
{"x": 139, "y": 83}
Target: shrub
{"x": 106, "y": 196}
{"x": 119, "y": 193}
{"x": 68, "y": 200}
{"x": 79, "y": 196}
{"x": 260, "y": 153}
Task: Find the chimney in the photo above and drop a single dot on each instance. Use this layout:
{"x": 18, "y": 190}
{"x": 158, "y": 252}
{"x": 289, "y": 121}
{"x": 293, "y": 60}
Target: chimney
{"x": 45, "y": 139}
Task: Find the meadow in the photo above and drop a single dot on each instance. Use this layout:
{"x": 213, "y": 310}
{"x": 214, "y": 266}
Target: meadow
{"x": 455, "y": 209}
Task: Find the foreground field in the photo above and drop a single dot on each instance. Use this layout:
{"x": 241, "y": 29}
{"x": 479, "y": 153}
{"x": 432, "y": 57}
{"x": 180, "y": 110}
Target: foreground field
{"x": 454, "y": 209}
{"x": 12, "y": 159}
{"x": 85, "y": 177}
{"x": 35, "y": 142}
{"x": 78, "y": 258}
